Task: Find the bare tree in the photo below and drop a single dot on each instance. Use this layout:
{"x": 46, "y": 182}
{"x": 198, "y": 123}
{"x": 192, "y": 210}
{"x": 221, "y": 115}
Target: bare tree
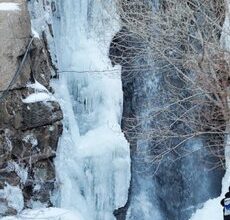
{"x": 182, "y": 39}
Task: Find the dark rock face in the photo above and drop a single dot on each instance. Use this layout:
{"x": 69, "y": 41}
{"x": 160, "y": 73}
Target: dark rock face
{"x": 179, "y": 186}
{"x": 29, "y": 131}
{"x": 175, "y": 186}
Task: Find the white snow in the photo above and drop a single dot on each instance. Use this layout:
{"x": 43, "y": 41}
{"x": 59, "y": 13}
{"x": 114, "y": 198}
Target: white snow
{"x": 212, "y": 210}
{"x": 30, "y": 138}
{"x": 21, "y": 171}
{"x": 35, "y": 33}
{"x": 9, "y": 6}
{"x": 41, "y": 94}
{"x": 39, "y": 97}
{"x": 37, "y": 86}
{"x": 46, "y": 214}
{"x": 14, "y": 197}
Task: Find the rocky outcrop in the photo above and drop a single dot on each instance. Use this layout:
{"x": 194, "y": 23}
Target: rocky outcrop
{"x": 29, "y": 128}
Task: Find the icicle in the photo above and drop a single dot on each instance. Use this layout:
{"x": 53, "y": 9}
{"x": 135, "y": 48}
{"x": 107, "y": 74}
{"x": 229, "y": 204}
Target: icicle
{"x": 93, "y": 162}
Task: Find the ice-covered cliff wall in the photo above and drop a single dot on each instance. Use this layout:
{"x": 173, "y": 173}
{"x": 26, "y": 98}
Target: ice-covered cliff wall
{"x": 93, "y": 162}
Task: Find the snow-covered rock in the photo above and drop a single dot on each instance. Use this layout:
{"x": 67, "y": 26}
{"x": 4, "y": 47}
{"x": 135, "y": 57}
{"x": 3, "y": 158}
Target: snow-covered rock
{"x": 9, "y": 6}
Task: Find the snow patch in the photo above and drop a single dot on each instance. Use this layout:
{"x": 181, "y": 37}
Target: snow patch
{"x": 31, "y": 139}
{"x": 41, "y": 94}
{"x": 9, "y": 6}
{"x": 39, "y": 97}
{"x": 21, "y": 172}
{"x": 37, "y": 86}
{"x": 35, "y": 33}
{"x": 13, "y": 195}
{"x": 45, "y": 214}
{"x": 212, "y": 210}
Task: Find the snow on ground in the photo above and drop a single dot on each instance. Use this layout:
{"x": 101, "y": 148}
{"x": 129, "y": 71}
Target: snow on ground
{"x": 46, "y": 214}
{"x": 212, "y": 210}
{"x": 9, "y": 6}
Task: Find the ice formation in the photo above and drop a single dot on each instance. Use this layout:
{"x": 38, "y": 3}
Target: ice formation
{"x": 93, "y": 162}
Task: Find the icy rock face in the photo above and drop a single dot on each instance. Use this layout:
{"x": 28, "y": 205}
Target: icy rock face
{"x": 29, "y": 131}
{"x": 41, "y": 13}
{"x": 93, "y": 163}
{"x": 11, "y": 200}
{"x": 169, "y": 190}
{"x": 177, "y": 185}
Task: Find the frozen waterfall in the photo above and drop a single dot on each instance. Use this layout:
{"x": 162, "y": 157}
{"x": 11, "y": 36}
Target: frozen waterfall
{"x": 93, "y": 160}
{"x": 93, "y": 157}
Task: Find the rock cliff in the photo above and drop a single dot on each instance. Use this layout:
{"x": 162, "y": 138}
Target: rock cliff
{"x": 30, "y": 117}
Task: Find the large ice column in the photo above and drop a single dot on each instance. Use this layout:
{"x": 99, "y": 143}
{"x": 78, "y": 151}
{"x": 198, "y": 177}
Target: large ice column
{"x": 93, "y": 162}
